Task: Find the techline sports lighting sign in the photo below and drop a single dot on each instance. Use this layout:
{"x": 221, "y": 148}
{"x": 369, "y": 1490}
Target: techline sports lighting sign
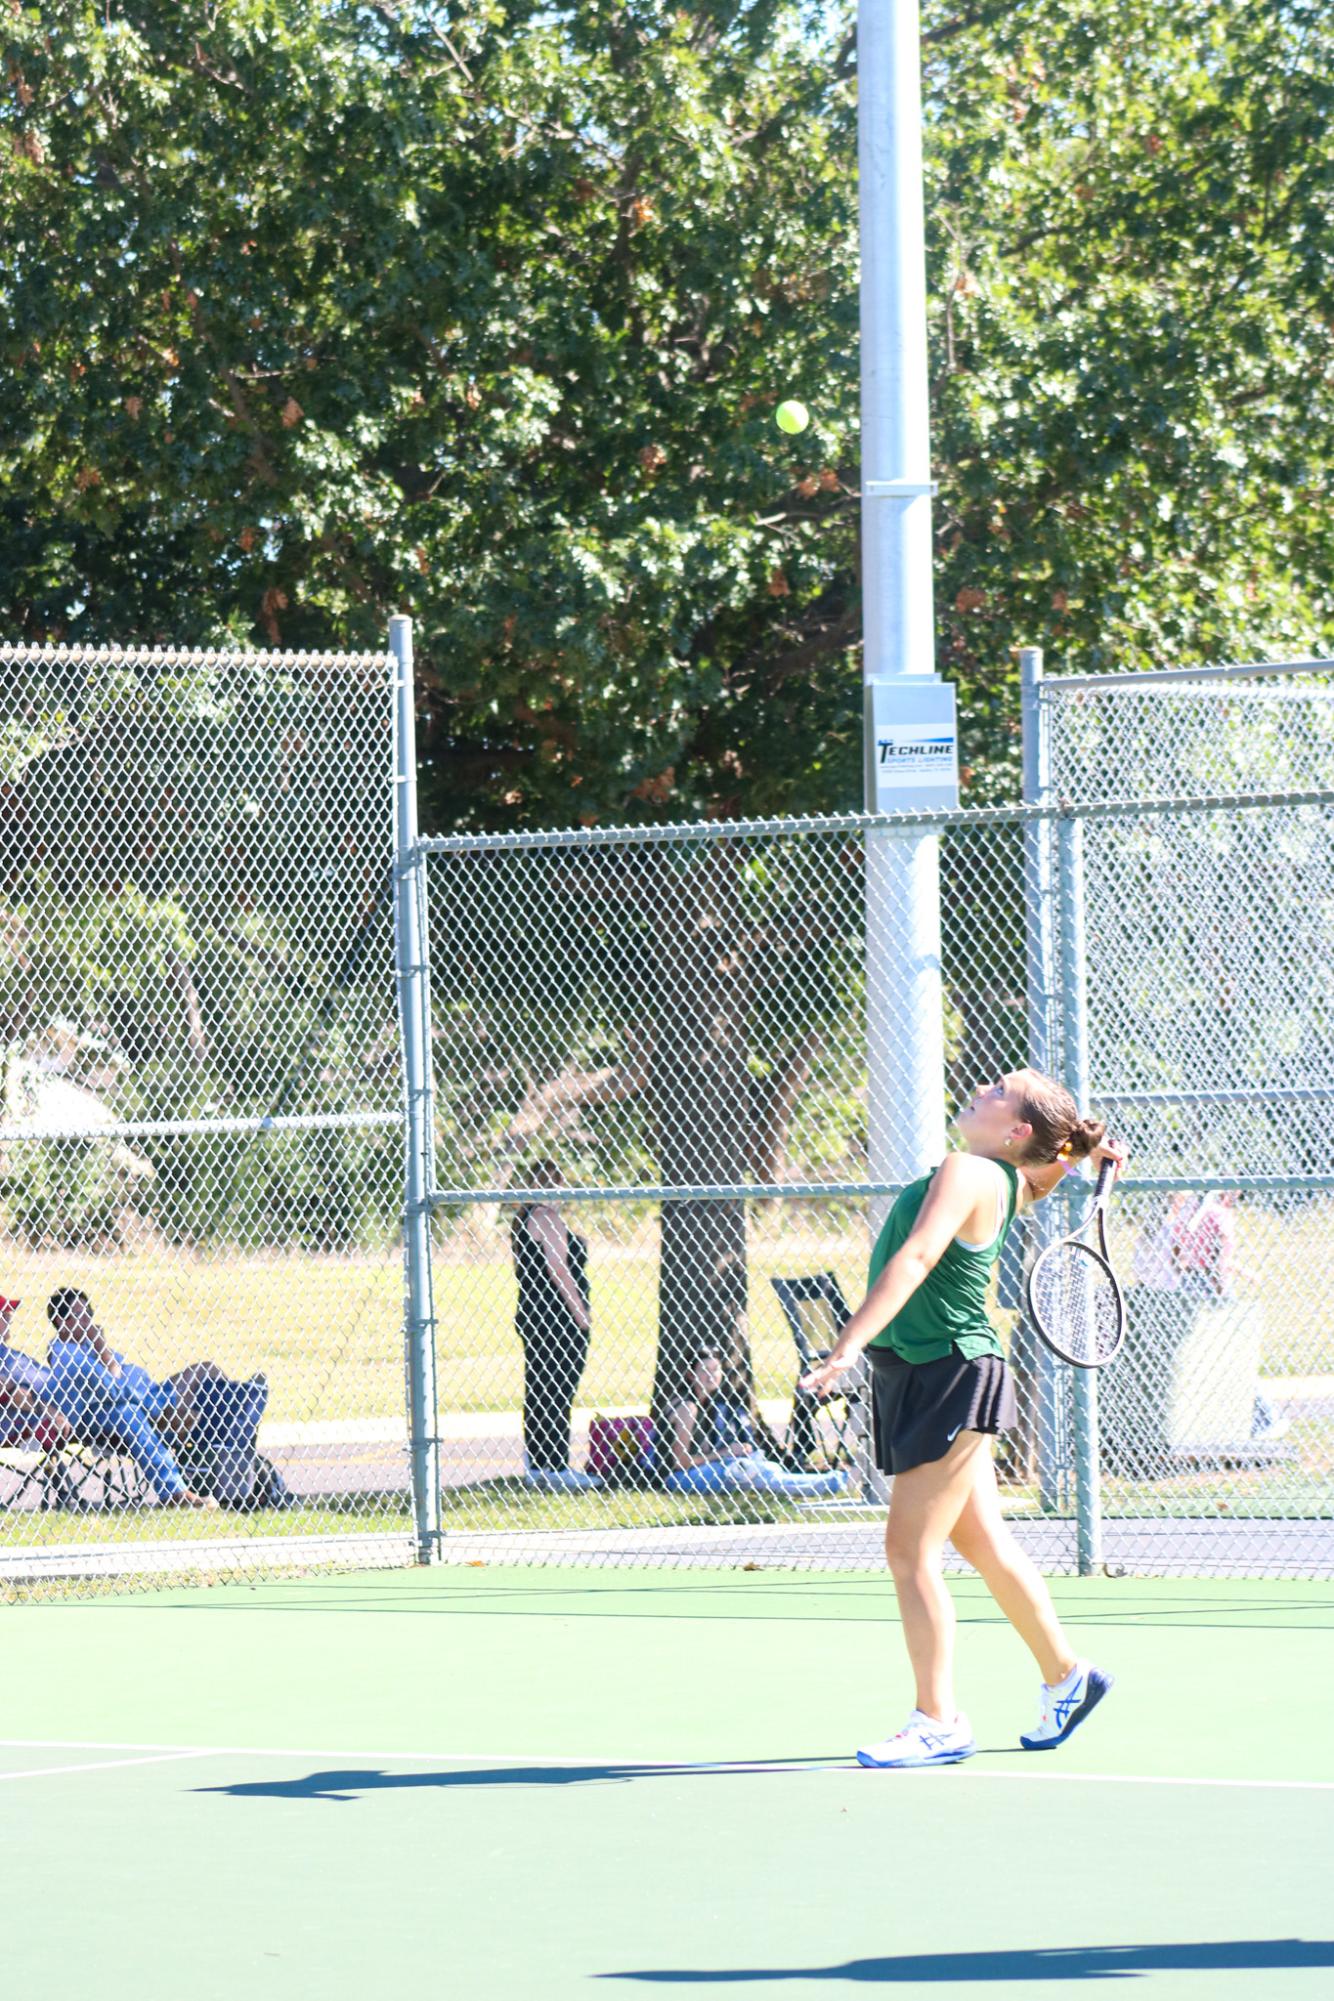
{"x": 912, "y": 746}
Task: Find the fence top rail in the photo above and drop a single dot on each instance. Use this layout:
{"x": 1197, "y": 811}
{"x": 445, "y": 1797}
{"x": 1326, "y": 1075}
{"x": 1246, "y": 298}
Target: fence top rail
{"x": 262, "y": 1122}
{"x": 1253, "y": 1094}
{"x": 255, "y": 659}
{"x": 844, "y": 1191}
{"x": 1176, "y": 677}
{"x": 860, "y": 823}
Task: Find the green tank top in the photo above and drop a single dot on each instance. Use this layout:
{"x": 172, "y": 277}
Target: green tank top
{"x": 948, "y": 1312}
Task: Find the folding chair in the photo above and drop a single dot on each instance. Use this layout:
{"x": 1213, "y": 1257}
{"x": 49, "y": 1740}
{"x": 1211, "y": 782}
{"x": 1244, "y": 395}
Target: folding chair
{"x": 86, "y": 1473}
{"x": 816, "y": 1311}
{"x": 38, "y": 1462}
{"x": 97, "y": 1458}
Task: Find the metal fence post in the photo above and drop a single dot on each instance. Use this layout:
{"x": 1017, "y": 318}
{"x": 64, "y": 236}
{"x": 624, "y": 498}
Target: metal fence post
{"x": 412, "y": 962}
{"x": 1040, "y": 958}
{"x": 1075, "y": 1064}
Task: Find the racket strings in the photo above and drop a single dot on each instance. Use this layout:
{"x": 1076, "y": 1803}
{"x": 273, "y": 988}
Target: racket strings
{"x": 1076, "y": 1305}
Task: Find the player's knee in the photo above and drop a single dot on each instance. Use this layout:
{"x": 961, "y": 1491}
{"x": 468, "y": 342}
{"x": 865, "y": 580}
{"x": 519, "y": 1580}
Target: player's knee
{"x": 905, "y": 1552}
{"x": 985, "y": 1547}
{"x": 968, "y": 1546}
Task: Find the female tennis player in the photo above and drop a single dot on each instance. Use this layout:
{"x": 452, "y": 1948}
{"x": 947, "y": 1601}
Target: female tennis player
{"x": 942, "y": 1390}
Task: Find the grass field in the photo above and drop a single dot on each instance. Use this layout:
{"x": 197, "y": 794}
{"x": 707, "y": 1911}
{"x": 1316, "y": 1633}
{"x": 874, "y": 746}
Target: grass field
{"x": 373, "y": 1515}
{"x": 1294, "y": 1491}
{"x": 326, "y": 1329}
{"x": 326, "y": 1332}
{"x": 492, "y": 1504}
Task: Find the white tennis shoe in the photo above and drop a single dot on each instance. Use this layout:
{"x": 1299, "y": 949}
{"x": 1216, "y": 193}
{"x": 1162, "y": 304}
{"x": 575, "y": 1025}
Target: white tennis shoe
{"x": 923, "y": 1740}
{"x": 1064, "y": 1707}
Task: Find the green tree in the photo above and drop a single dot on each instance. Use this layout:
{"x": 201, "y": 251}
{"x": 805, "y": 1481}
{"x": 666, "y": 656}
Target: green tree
{"x": 1133, "y": 338}
{"x": 316, "y": 311}
{"x": 311, "y": 311}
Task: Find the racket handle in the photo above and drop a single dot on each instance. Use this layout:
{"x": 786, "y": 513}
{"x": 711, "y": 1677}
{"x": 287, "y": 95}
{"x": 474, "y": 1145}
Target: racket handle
{"x": 1105, "y": 1173}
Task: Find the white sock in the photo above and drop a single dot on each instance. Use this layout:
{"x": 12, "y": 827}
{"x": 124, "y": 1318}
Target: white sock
{"x": 1068, "y": 1681}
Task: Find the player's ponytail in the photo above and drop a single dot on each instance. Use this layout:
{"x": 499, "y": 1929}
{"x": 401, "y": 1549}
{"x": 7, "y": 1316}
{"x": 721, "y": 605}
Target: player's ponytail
{"x": 1059, "y": 1133}
{"x": 1086, "y": 1135}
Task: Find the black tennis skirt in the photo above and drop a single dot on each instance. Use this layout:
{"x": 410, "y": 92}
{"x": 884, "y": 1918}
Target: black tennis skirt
{"x": 919, "y": 1408}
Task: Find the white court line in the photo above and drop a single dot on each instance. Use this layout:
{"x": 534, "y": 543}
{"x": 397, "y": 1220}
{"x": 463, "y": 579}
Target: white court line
{"x": 685, "y": 1766}
{"x": 101, "y": 1765}
{"x": 1047, "y": 1778}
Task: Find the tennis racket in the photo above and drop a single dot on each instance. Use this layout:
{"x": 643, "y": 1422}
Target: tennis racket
{"x": 1073, "y": 1296}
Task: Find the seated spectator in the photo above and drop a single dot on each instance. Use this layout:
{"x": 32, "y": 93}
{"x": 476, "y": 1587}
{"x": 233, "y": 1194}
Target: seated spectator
{"x": 712, "y": 1449}
{"x": 108, "y": 1399}
{"x": 26, "y": 1416}
{"x": 25, "y": 1410}
{"x": 1189, "y": 1256}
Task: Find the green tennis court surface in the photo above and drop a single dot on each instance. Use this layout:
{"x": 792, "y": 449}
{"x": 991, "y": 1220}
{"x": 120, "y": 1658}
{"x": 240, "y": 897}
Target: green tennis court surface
{"x": 561, "y": 1783}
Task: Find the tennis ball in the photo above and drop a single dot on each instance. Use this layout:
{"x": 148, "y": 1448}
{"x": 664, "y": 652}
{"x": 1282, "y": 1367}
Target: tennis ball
{"x": 792, "y": 417}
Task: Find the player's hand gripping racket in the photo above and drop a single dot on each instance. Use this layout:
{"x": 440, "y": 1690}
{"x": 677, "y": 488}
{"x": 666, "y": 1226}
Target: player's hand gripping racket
{"x": 1073, "y": 1297}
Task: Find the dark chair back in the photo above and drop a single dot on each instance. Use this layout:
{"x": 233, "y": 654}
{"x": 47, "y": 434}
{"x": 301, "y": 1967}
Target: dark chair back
{"x": 816, "y": 1312}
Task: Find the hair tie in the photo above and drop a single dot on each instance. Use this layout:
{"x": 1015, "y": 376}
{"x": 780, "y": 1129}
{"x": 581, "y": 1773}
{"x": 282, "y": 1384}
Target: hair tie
{"x": 1063, "y": 1152}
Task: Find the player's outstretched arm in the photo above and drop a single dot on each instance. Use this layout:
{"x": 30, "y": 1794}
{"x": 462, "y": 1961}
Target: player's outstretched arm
{"x": 949, "y": 1203}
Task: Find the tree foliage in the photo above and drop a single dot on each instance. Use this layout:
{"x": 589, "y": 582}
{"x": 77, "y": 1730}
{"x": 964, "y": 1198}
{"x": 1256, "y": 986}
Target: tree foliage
{"x": 311, "y": 311}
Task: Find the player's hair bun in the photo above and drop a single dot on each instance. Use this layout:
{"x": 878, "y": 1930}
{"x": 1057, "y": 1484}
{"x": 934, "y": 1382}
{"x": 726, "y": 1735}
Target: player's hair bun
{"x": 1058, "y": 1131}
{"x": 1080, "y": 1143}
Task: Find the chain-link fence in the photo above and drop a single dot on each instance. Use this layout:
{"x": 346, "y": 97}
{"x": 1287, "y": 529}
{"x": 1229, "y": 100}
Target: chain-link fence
{"x": 201, "y": 1136}
{"x": 1210, "y": 1046}
{"x": 652, "y": 1109}
{"x": 1184, "y": 732}
{"x": 643, "y": 1127}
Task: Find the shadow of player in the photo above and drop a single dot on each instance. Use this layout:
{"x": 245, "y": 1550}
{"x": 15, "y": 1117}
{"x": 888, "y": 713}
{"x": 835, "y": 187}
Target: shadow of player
{"x": 356, "y": 1782}
{"x": 1086, "y": 1962}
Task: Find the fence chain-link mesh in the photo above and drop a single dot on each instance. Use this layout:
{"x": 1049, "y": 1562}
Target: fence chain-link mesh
{"x": 1211, "y": 1031}
{"x": 1180, "y": 733}
{"x": 651, "y": 1055}
{"x": 676, "y": 1075}
{"x": 201, "y": 1131}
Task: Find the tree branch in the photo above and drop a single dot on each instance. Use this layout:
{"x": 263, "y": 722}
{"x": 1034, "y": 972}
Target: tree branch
{"x": 775, "y": 1101}
{"x": 971, "y": 17}
{"x": 825, "y": 640}
{"x": 575, "y": 1091}
{"x": 182, "y": 979}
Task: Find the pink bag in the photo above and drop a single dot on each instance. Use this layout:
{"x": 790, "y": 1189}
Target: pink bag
{"x": 619, "y": 1448}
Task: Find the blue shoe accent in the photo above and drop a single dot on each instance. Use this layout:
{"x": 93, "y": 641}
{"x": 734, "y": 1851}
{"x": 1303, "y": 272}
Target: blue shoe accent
{"x": 1095, "y": 1688}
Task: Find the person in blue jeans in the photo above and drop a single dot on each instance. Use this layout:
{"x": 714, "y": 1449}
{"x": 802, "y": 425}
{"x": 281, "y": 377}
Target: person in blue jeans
{"x": 712, "y": 1447}
{"x": 104, "y": 1396}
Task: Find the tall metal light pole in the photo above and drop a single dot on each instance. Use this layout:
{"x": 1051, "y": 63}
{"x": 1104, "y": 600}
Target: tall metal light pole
{"x": 412, "y": 961}
{"x": 911, "y": 761}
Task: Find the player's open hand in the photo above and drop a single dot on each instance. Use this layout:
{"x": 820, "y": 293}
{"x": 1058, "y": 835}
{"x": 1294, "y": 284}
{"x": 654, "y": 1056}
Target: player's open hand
{"x": 823, "y": 1377}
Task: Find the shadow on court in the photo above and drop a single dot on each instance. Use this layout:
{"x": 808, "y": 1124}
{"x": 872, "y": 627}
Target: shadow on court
{"x": 356, "y": 1783}
{"x": 1091, "y": 1962}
